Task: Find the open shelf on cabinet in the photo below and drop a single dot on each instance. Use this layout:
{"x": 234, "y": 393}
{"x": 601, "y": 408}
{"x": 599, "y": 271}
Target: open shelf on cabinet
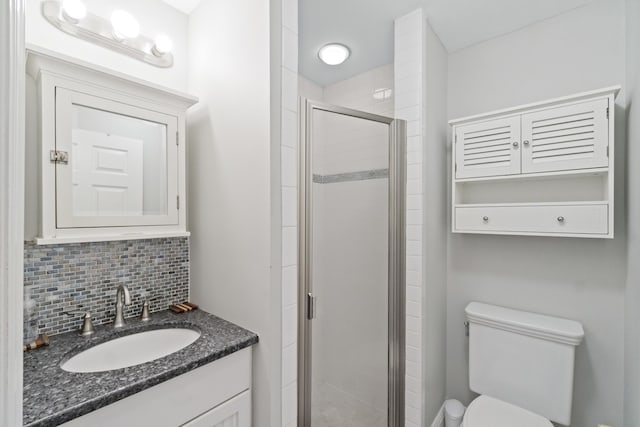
{"x": 537, "y": 176}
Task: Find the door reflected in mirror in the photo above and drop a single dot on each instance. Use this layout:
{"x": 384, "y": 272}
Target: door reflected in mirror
{"x": 119, "y": 164}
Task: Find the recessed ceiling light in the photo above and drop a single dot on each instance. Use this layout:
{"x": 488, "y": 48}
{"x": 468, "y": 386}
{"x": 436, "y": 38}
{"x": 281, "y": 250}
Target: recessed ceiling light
{"x": 125, "y": 26}
{"x": 334, "y": 53}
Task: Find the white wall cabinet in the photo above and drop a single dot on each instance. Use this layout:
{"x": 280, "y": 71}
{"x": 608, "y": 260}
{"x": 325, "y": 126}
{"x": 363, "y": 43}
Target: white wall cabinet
{"x": 112, "y": 155}
{"x": 215, "y": 395}
{"x": 544, "y": 169}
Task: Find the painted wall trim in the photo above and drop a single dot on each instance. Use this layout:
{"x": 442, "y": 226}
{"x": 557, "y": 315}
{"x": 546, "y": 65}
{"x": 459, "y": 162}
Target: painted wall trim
{"x": 12, "y": 90}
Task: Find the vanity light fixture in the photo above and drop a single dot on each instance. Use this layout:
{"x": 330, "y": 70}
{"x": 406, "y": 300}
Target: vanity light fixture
{"x": 73, "y": 10}
{"x": 125, "y": 26}
{"x": 334, "y": 53}
{"x": 120, "y": 33}
{"x": 162, "y": 45}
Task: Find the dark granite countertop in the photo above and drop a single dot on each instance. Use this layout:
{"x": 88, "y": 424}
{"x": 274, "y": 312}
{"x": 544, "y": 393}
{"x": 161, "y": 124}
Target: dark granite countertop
{"x": 53, "y": 396}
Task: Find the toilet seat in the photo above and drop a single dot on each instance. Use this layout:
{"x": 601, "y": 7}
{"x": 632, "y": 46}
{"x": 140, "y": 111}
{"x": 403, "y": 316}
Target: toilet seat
{"x": 486, "y": 411}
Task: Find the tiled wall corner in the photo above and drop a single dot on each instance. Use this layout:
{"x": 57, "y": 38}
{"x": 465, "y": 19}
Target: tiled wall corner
{"x": 84, "y": 276}
{"x": 408, "y": 76}
{"x": 289, "y": 170}
{"x": 371, "y": 91}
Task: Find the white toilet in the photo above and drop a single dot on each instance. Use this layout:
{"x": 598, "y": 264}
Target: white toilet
{"x": 521, "y": 364}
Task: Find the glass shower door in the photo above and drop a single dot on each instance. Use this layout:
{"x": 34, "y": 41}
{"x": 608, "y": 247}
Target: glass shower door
{"x": 350, "y": 298}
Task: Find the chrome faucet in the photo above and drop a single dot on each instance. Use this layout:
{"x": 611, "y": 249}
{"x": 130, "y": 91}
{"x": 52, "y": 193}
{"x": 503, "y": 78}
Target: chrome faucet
{"x": 122, "y": 290}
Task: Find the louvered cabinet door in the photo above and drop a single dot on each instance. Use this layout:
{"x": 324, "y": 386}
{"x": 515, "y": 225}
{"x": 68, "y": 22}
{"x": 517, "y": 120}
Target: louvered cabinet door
{"x": 488, "y": 148}
{"x": 565, "y": 138}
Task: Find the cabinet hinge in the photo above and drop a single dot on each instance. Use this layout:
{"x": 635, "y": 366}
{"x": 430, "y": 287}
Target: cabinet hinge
{"x": 178, "y": 202}
{"x": 455, "y": 169}
{"x": 607, "y": 151}
{"x": 607, "y": 112}
{"x": 59, "y": 157}
{"x": 177, "y": 138}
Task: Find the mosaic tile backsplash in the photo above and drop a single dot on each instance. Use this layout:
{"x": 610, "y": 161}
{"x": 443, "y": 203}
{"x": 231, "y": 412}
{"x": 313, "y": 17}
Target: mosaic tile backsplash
{"x": 85, "y": 276}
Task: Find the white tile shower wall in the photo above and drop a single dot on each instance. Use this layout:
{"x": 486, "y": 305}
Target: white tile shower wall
{"x": 289, "y": 186}
{"x": 408, "y": 76}
{"x": 371, "y": 91}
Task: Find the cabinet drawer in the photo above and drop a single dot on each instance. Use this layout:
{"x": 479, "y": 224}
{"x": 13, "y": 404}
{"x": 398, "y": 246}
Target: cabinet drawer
{"x": 577, "y": 219}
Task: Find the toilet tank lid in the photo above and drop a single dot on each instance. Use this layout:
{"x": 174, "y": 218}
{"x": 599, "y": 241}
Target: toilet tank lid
{"x": 550, "y": 328}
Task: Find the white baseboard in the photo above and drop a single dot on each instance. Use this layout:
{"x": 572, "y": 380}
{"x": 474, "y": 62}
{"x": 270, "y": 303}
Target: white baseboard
{"x": 438, "y": 421}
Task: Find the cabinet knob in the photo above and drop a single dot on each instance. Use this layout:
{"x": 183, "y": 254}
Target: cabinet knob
{"x": 526, "y": 143}
{"x": 485, "y": 218}
{"x": 560, "y": 219}
{"x": 515, "y": 144}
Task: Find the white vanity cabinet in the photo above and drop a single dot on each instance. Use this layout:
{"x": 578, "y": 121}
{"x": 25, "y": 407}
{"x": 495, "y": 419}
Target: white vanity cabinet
{"x": 543, "y": 169}
{"x": 112, "y": 163}
{"x": 215, "y": 395}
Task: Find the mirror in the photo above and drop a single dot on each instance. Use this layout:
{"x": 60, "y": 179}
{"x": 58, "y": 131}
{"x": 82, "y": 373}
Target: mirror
{"x": 114, "y": 165}
{"x": 119, "y": 164}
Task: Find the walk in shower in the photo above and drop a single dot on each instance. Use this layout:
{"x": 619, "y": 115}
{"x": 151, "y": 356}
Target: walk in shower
{"x": 351, "y": 298}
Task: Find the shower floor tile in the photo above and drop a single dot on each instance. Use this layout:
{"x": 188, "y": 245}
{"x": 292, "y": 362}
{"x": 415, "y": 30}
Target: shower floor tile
{"x": 332, "y": 407}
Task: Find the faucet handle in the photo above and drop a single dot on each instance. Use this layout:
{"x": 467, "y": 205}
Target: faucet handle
{"x": 87, "y": 323}
{"x": 145, "y": 316}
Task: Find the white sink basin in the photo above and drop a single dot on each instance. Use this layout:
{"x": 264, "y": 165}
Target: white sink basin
{"x": 131, "y": 350}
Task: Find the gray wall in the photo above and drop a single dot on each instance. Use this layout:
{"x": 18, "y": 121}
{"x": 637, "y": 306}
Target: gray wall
{"x": 580, "y": 279}
{"x": 632, "y": 308}
{"x": 230, "y": 181}
{"x": 435, "y": 224}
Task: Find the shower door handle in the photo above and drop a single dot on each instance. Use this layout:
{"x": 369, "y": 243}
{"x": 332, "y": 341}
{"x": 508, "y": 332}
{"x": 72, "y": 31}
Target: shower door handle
{"x": 311, "y": 306}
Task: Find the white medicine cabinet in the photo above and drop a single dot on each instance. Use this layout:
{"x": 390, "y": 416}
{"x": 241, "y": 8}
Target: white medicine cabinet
{"x": 543, "y": 169}
{"x": 112, "y": 153}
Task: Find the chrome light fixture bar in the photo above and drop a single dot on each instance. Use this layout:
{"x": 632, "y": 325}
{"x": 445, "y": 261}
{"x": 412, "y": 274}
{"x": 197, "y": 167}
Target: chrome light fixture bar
{"x": 100, "y": 31}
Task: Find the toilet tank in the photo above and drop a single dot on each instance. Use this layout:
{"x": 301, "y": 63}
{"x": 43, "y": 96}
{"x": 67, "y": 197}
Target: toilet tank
{"x": 523, "y": 358}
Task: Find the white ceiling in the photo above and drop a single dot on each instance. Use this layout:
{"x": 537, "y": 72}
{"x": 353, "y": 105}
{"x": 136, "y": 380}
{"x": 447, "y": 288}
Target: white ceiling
{"x": 186, "y": 6}
{"x": 366, "y": 26}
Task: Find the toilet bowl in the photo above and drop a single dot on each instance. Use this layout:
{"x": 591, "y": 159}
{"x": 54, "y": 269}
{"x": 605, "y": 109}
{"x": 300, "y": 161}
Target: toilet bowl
{"x": 486, "y": 411}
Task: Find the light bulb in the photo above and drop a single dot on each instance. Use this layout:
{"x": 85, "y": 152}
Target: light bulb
{"x": 334, "y": 53}
{"x": 125, "y": 25}
{"x": 162, "y": 45}
{"x": 73, "y": 10}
